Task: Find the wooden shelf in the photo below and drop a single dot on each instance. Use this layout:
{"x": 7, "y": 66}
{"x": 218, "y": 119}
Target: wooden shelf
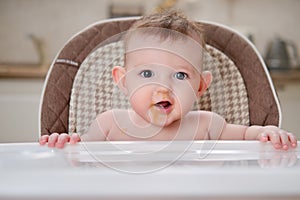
{"x": 23, "y": 71}
{"x": 40, "y": 71}
{"x": 285, "y": 76}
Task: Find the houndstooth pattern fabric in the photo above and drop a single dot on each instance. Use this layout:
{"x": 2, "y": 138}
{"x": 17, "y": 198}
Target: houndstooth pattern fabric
{"x": 227, "y": 95}
{"x": 94, "y": 92}
{"x": 93, "y": 89}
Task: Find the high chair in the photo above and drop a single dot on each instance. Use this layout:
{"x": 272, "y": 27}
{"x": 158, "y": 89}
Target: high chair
{"x": 79, "y": 85}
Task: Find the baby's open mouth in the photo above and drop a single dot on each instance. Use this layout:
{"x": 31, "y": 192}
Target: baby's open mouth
{"x": 163, "y": 105}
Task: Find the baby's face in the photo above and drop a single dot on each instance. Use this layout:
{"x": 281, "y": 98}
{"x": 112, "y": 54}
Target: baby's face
{"x": 162, "y": 86}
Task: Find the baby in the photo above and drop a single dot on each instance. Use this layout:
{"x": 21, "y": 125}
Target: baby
{"x": 162, "y": 78}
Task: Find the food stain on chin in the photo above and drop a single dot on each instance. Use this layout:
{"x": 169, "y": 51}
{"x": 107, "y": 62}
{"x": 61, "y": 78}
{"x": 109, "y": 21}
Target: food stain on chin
{"x": 156, "y": 116}
{"x": 124, "y": 130}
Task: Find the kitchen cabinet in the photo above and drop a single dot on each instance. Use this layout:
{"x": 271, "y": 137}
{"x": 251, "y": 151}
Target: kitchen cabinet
{"x": 19, "y": 109}
{"x": 287, "y": 84}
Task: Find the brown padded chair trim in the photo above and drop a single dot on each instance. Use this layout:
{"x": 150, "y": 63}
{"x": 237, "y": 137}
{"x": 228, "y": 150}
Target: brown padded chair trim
{"x": 58, "y": 86}
{"x": 57, "y": 91}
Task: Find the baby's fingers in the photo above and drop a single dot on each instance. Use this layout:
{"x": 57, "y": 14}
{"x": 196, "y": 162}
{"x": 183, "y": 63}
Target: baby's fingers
{"x": 74, "y": 138}
{"x": 284, "y": 140}
{"x": 275, "y": 139}
{"x": 43, "y": 139}
{"x": 292, "y": 139}
{"x": 263, "y": 137}
{"x": 287, "y": 139}
{"x": 62, "y": 139}
{"x": 52, "y": 139}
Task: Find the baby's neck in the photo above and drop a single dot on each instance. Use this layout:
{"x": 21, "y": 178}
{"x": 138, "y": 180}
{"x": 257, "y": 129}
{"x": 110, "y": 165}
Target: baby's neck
{"x": 137, "y": 120}
{"x": 140, "y": 122}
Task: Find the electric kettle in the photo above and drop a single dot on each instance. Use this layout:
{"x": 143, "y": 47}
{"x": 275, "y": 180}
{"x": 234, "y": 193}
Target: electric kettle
{"x": 281, "y": 54}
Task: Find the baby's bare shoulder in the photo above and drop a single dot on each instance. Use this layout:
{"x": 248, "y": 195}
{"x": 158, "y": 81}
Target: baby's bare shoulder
{"x": 110, "y": 117}
{"x": 205, "y": 117}
{"x": 111, "y": 113}
{"x": 200, "y": 113}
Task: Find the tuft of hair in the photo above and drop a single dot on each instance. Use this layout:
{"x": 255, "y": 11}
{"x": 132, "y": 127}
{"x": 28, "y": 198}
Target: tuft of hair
{"x": 168, "y": 24}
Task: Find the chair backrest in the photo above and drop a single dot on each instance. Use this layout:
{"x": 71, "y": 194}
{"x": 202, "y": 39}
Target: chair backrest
{"x": 79, "y": 84}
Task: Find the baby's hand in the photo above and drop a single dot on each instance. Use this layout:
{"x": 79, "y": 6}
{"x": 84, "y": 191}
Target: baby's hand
{"x": 280, "y": 139}
{"x": 59, "y": 140}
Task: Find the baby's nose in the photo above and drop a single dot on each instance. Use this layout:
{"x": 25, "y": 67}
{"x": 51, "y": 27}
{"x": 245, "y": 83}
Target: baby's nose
{"x": 161, "y": 93}
{"x": 162, "y": 90}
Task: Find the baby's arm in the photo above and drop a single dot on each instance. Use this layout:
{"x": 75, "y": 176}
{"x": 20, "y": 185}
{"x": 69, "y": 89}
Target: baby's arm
{"x": 97, "y": 132}
{"x": 280, "y": 139}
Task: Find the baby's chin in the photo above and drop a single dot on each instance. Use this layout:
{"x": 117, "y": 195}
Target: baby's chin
{"x": 161, "y": 124}
{"x": 161, "y": 120}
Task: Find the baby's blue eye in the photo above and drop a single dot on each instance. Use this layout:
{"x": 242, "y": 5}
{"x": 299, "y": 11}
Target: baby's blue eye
{"x": 181, "y": 75}
{"x": 147, "y": 73}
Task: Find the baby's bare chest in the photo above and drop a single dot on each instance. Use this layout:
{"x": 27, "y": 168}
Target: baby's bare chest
{"x": 189, "y": 129}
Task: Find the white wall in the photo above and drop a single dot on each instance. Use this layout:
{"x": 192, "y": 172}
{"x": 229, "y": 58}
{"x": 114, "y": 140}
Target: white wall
{"x": 263, "y": 18}
{"x": 55, "y": 21}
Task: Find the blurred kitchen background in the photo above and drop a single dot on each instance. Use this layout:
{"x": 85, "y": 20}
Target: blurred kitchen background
{"x": 33, "y": 31}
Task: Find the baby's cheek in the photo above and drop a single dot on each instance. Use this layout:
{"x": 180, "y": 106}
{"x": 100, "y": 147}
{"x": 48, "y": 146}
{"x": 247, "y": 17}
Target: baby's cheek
{"x": 185, "y": 101}
{"x": 186, "y": 93}
{"x": 140, "y": 100}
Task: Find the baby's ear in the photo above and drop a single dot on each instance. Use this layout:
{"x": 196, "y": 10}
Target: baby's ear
{"x": 118, "y": 74}
{"x": 206, "y": 79}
